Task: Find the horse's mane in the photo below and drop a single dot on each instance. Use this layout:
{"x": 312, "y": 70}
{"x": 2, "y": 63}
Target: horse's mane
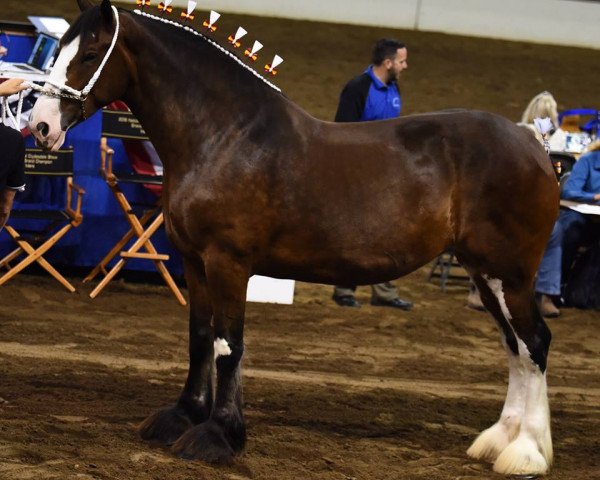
{"x": 89, "y": 22}
{"x": 220, "y": 48}
{"x": 542, "y": 105}
{"x": 211, "y": 42}
{"x": 86, "y": 24}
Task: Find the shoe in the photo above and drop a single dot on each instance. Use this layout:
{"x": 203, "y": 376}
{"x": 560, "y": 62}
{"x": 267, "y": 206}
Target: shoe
{"x": 346, "y": 301}
{"x": 547, "y": 307}
{"x": 474, "y": 301}
{"x": 394, "y": 303}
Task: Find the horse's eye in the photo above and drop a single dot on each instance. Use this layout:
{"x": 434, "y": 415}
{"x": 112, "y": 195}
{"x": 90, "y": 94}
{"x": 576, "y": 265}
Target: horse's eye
{"x": 88, "y": 57}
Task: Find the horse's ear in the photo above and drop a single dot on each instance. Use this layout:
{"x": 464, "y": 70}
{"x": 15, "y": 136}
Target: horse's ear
{"x": 106, "y": 9}
{"x": 84, "y": 4}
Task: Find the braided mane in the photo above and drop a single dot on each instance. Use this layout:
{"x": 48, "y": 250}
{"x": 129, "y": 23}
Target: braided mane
{"x": 195, "y": 32}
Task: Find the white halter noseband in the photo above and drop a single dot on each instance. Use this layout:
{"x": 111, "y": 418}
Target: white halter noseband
{"x": 64, "y": 91}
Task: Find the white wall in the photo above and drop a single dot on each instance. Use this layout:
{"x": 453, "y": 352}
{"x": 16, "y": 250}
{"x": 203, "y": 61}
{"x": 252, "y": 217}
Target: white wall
{"x": 399, "y": 13}
{"x": 561, "y": 22}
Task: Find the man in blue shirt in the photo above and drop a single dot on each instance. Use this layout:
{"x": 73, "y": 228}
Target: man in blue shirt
{"x": 572, "y": 230}
{"x": 374, "y": 95}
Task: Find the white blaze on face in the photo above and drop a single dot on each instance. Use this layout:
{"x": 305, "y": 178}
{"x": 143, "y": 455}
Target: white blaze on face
{"x": 47, "y": 109}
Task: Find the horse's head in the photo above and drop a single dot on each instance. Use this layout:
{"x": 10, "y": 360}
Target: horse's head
{"x": 87, "y": 74}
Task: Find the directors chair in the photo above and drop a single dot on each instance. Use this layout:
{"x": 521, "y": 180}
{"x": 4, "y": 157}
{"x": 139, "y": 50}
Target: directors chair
{"x": 446, "y": 267}
{"x": 46, "y": 225}
{"x": 143, "y": 220}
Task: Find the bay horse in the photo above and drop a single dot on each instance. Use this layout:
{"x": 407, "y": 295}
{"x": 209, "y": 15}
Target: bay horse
{"x": 255, "y": 185}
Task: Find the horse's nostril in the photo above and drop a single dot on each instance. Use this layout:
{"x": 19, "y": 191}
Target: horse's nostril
{"x": 43, "y": 128}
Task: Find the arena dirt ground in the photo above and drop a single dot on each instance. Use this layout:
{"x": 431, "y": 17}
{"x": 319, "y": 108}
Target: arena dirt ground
{"x": 330, "y": 393}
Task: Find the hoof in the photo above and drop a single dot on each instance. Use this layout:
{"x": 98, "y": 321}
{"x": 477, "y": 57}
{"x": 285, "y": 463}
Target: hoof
{"x": 205, "y": 442}
{"x": 165, "y": 426}
{"x": 490, "y": 443}
{"x": 521, "y": 457}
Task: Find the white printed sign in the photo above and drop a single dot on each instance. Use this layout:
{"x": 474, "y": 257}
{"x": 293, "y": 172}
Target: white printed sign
{"x": 270, "y": 290}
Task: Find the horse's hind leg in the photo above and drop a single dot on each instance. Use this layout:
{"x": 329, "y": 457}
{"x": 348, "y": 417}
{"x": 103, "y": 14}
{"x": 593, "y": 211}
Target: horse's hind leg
{"x": 224, "y": 433}
{"x": 194, "y": 404}
{"x": 520, "y": 442}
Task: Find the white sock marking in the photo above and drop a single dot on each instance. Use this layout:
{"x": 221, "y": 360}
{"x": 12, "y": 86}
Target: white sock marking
{"x": 526, "y": 404}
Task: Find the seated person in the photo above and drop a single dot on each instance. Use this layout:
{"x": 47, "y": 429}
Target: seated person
{"x": 573, "y": 229}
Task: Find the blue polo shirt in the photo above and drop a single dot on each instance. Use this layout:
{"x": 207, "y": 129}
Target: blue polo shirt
{"x": 383, "y": 101}
{"x": 366, "y": 98}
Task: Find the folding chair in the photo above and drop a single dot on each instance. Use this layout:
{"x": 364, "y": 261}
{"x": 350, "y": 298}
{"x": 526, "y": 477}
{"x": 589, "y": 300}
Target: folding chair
{"x": 143, "y": 222}
{"x": 53, "y": 223}
{"x": 442, "y": 268}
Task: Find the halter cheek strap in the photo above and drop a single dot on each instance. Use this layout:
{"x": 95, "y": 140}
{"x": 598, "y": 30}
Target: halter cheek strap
{"x": 59, "y": 90}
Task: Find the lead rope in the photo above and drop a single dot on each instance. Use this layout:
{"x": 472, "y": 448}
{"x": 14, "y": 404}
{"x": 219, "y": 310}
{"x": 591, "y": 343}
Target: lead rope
{"x": 7, "y": 113}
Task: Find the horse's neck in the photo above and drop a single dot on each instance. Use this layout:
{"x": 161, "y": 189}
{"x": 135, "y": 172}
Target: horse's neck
{"x": 196, "y": 94}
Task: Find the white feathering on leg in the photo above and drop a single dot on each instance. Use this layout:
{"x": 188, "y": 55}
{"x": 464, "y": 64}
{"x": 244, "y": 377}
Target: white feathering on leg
{"x": 521, "y": 457}
{"x": 490, "y": 443}
{"x": 530, "y": 453}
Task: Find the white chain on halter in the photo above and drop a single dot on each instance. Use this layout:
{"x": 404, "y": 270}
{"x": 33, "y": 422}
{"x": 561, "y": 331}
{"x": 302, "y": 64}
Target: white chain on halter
{"x": 7, "y": 113}
{"x": 64, "y": 91}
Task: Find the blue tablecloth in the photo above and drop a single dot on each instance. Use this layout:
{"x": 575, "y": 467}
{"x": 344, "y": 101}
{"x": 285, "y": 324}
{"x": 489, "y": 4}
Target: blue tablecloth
{"x": 19, "y": 47}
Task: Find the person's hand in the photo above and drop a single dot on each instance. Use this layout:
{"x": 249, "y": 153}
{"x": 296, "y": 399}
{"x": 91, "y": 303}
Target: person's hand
{"x": 597, "y": 197}
{"x": 12, "y": 85}
{"x": 3, "y": 51}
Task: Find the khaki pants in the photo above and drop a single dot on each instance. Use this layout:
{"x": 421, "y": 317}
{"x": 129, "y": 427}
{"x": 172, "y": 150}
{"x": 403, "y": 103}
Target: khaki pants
{"x": 380, "y": 291}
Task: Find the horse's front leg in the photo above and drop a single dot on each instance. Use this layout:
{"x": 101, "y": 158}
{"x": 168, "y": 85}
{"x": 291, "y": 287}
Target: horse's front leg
{"x": 224, "y": 434}
{"x": 195, "y": 403}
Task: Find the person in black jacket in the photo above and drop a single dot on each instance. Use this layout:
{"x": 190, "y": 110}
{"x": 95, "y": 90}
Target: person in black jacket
{"x": 374, "y": 95}
{"x": 12, "y": 156}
